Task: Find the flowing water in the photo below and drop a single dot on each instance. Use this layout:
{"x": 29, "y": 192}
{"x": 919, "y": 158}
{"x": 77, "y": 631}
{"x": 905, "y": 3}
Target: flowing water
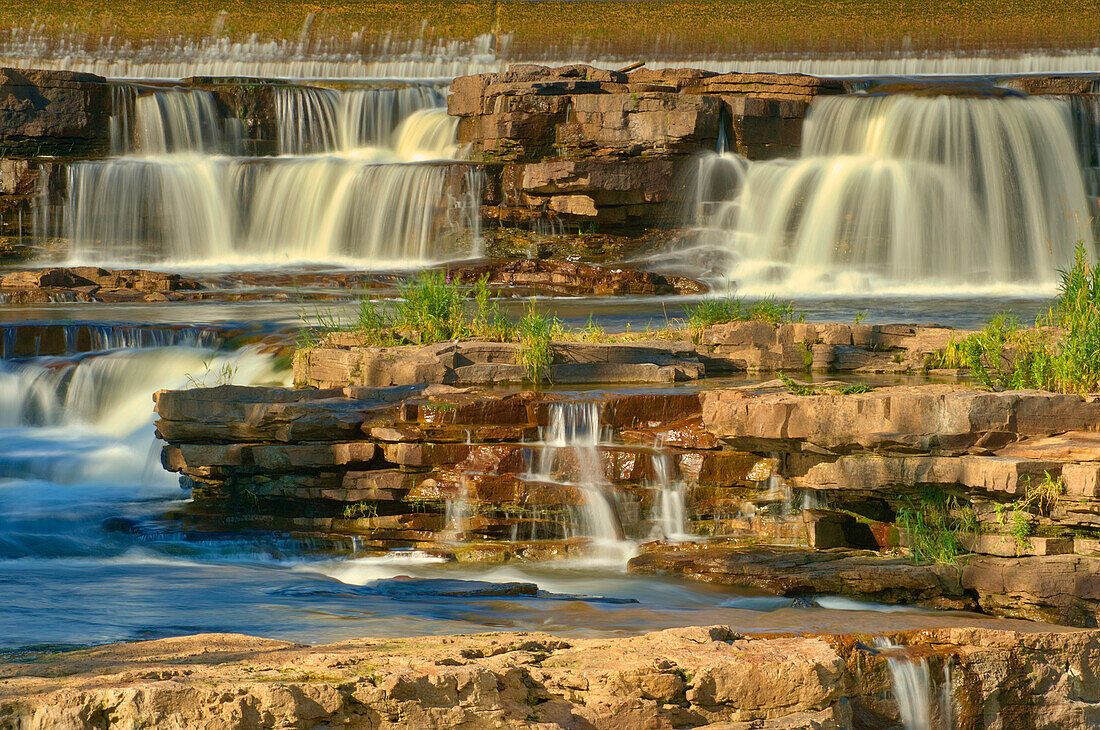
{"x": 363, "y": 176}
{"x": 898, "y": 192}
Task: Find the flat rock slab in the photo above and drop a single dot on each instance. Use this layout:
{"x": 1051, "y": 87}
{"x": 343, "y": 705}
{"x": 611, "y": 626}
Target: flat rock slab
{"x": 784, "y": 571}
{"x": 688, "y": 677}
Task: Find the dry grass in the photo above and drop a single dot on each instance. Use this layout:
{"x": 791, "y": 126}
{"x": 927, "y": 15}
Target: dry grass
{"x": 640, "y": 29}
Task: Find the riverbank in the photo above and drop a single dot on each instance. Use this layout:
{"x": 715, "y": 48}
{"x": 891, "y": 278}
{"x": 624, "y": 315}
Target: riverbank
{"x": 700, "y": 676}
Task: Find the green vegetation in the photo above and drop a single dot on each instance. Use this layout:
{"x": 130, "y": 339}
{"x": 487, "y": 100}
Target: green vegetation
{"x": 808, "y": 389}
{"x": 935, "y": 523}
{"x": 1018, "y": 516}
{"x": 363, "y": 509}
{"x": 640, "y": 28}
{"x": 1061, "y": 353}
{"x": 434, "y": 308}
{"x": 722, "y": 310}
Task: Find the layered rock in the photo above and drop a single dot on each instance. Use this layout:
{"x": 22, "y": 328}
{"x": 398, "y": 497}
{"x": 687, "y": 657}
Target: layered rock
{"x": 342, "y": 358}
{"x": 691, "y": 677}
{"x": 53, "y": 113}
{"x": 583, "y": 144}
{"x": 755, "y": 465}
{"x": 92, "y": 284}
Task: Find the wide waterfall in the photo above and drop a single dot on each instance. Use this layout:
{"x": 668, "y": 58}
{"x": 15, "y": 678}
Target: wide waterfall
{"x": 905, "y": 191}
{"x": 361, "y": 178}
{"x": 312, "y": 120}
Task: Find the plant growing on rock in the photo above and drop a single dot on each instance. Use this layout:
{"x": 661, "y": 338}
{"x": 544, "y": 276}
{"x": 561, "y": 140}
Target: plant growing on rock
{"x": 935, "y": 523}
{"x": 722, "y": 310}
{"x": 535, "y": 333}
{"x": 1061, "y": 353}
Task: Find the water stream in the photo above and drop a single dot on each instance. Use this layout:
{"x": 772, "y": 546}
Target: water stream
{"x": 363, "y": 176}
{"x": 907, "y": 193}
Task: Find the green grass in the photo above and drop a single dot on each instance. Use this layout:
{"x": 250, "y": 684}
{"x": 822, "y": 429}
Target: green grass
{"x": 722, "y": 310}
{"x": 1061, "y": 353}
{"x": 641, "y": 29}
{"x": 935, "y": 523}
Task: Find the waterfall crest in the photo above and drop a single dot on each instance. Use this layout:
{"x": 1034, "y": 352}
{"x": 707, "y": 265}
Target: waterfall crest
{"x": 912, "y": 191}
{"x": 355, "y": 182}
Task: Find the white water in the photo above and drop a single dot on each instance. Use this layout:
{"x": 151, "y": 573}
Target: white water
{"x": 919, "y": 705}
{"x": 87, "y": 420}
{"x": 574, "y": 433}
{"x": 672, "y": 503}
{"x": 362, "y": 198}
{"x": 897, "y": 192}
{"x": 419, "y": 58}
{"x": 313, "y": 120}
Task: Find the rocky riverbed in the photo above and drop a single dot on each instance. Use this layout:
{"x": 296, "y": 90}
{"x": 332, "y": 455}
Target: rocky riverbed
{"x": 697, "y": 677}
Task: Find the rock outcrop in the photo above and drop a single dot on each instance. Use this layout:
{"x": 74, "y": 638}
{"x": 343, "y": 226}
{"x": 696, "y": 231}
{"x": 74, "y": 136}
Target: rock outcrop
{"x": 691, "y": 677}
{"x": 53, "y": 113}
{"x": 583, "y": 144}
{"x": 755, "y": 466}
{"x": 92, "y": 284}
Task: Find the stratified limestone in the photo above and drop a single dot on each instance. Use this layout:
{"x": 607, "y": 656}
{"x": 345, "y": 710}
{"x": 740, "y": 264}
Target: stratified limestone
{"x": 1054, "y": 588}
{"x": 53, "y": 113}
{"x": 755, "y": 466}
{"x": 584, "y": 144}
{"x": 341, "y": 359}
{"x": 689, "y": 677}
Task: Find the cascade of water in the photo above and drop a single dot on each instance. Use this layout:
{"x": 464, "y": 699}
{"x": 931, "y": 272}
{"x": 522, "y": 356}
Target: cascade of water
{"x": 913, "y": 689}
{"x": 1085, "y": 112}
{"x": 178, "y": 202}
{"x": 903, "y": 189}
{"x": 385, "y": 57}
{"x": 427, "y": 134}
{"x": 72, "y": 338}
{"x": 457, "y": 511}
{"x": 672, "y": 509}
{"x": 313, "y": 120}
{"x": 312, "y": 208}
{"x": 574, "y": 430}
{"x": 180, "y": 120}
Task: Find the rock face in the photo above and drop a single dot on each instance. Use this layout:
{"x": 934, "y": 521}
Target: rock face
{"x": 564, "y": 277}
{"x": 692, "y": 677}
{"x": 92, "y": 284}
{"x": 583, "y": 144}
{"x": 805, "y": 474}
{"x": 57, "y": 113}
{"x": 340, "y": 359}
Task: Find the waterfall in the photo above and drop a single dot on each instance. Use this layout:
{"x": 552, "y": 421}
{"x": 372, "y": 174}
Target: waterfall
{"x": 313, "y": 120}
{"x": 428, "y": 134}
{"x": 573, "y": 432}
{"x": 672, "y": 509}
{"x": 352, "y": 186}
{"x": 457, "y": 511}
{"x": 1085, "y": 112}
{"x": 913, "y": 690}
{"x": 64, "y": 338}
{"x": 902, "y": 190}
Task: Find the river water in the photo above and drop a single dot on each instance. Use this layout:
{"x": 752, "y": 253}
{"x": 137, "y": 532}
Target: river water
{"x": 96, "y": 542}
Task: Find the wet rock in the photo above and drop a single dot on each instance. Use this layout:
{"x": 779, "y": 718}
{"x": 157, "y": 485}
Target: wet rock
{"x": 576, "y": 279}
{"x": 55, "y": 113}
{"x": 865, "y": 575}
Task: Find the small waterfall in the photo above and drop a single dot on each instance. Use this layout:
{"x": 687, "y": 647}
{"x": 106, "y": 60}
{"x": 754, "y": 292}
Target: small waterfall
{"x": 574, "y": 431}
{"x": 428, "y": 134}
{"x": 367, "y": 199}
{"x": 314, "y": 120}
{"x": 457, "y": 511}
{"x": 902, "y": 190}
{"x": 913, "y": 690}
{"x": 1085, "y": 112}
{"x": 672, "y": 509}
{"x": 35, "y": 340}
